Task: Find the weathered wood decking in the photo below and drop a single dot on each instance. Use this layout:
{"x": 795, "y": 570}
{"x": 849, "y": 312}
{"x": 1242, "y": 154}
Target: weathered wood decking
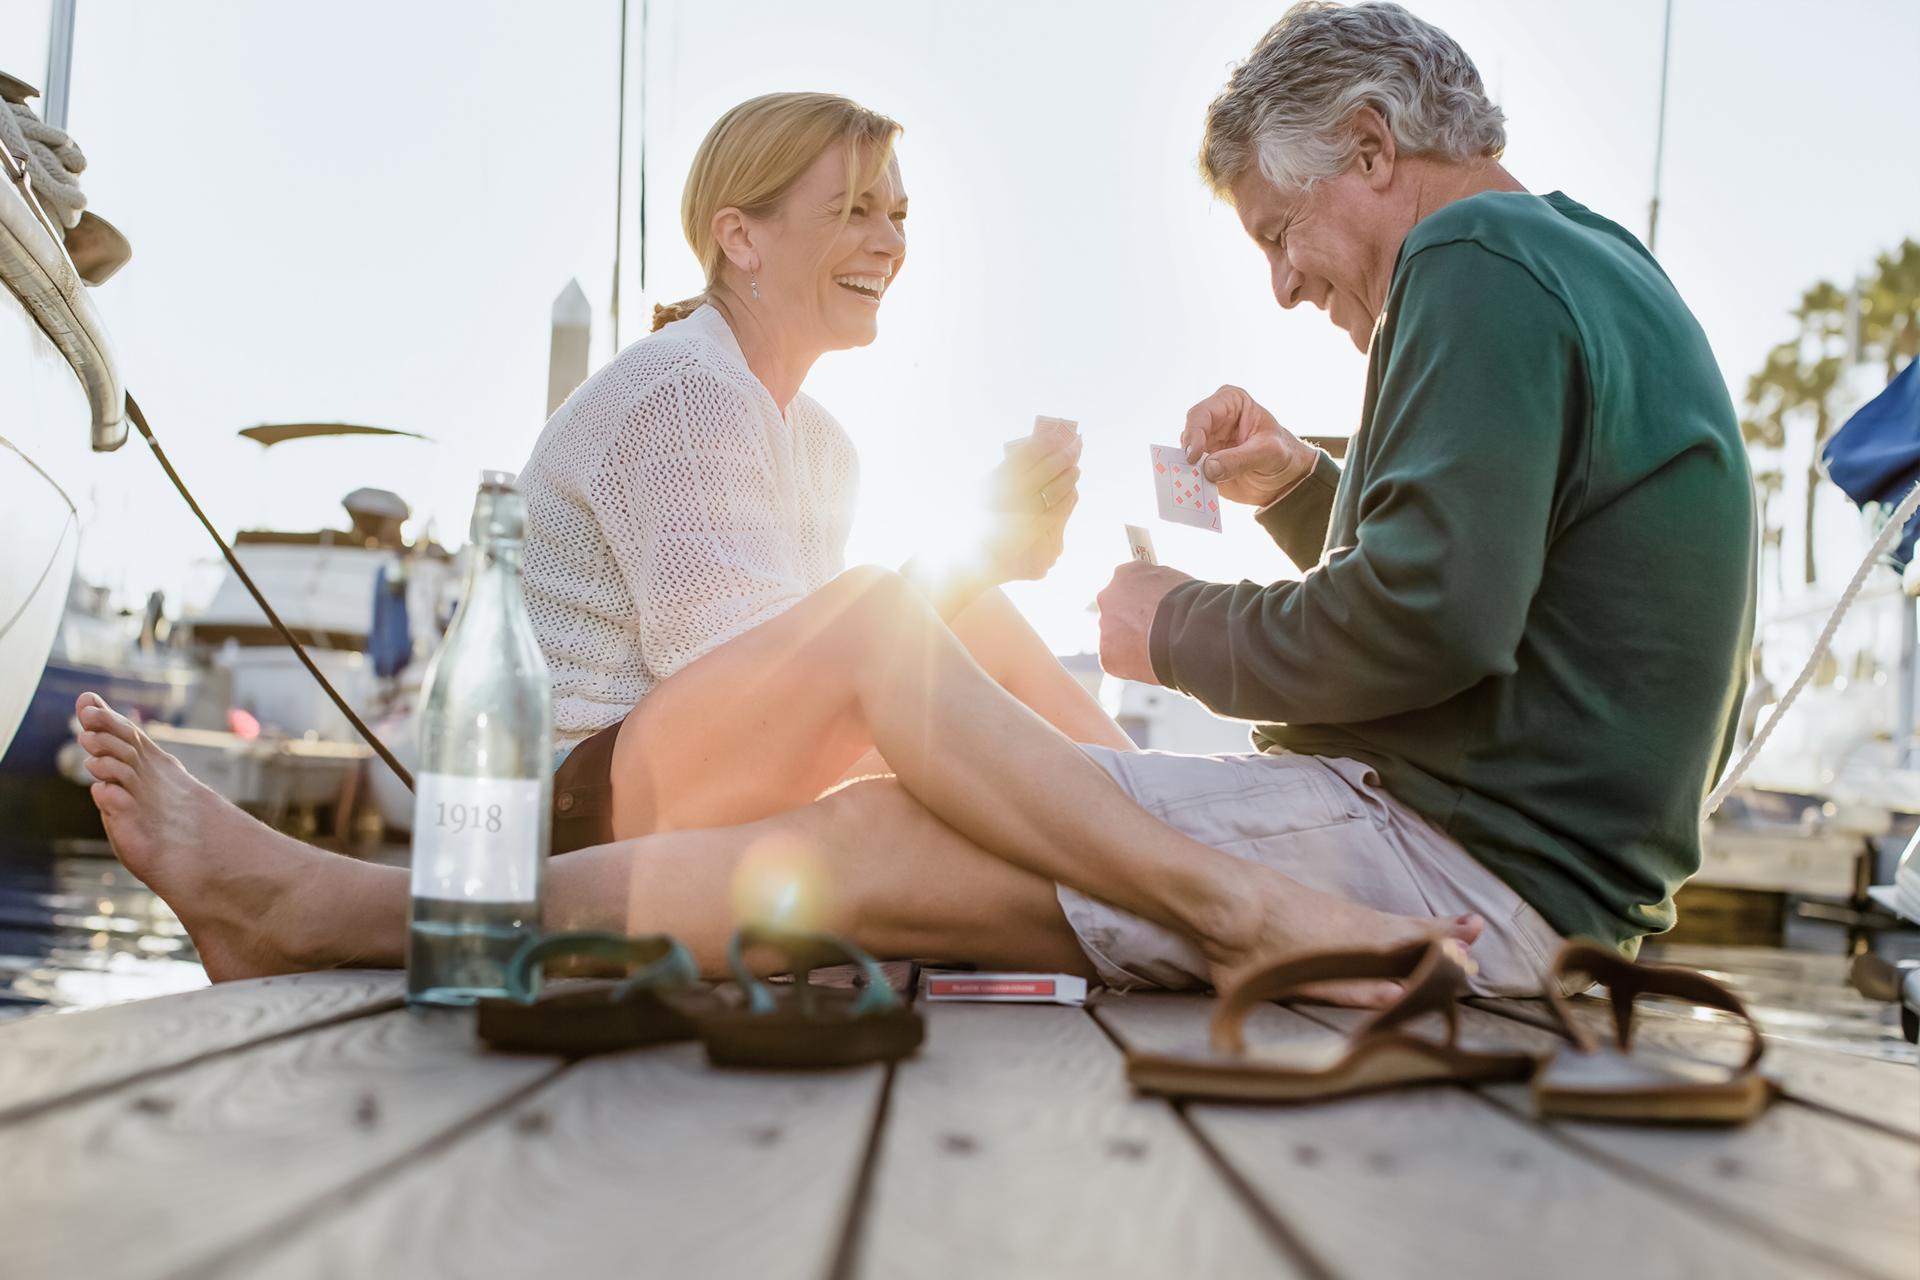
{"x": 313, "y": 1126}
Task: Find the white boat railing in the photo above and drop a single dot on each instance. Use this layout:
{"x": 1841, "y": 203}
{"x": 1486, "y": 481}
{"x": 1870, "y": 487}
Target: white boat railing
{"x": 35, "y": 267}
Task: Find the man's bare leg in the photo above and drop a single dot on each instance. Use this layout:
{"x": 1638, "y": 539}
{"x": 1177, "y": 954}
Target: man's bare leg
{"x": 254, "y": 900}
{"x": 997, "y": 773}
{"x": 258, "y": 902}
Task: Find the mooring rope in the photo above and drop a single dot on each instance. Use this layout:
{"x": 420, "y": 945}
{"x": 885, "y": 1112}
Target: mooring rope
{"x": 139, "y": 421}
{"x": 52, "y": 158}
{"x": 1881, "y": 546}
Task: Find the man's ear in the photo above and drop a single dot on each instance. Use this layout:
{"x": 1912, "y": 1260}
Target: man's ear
{"x": 735, "y": 238}
{"x": 1373, "y": 149}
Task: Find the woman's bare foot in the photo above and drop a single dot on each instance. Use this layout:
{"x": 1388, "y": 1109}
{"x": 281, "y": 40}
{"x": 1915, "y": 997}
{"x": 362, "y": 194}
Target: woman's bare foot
{"x": 236, "y": 884}
{"x": 1274, "y": 918}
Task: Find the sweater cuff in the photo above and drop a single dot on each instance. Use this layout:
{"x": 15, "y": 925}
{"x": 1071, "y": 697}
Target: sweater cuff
{"x": 1287, "y": 516}
{"x": 1160, "y": 634}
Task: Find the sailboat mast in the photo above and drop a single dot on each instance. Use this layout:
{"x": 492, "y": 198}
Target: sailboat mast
{"x": 59, "y": 63}
{"x": 1660, "y": 134}
{"x": 619, "y": 180}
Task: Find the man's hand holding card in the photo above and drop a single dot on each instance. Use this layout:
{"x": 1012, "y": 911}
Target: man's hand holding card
{"x": 1241, "y": 447}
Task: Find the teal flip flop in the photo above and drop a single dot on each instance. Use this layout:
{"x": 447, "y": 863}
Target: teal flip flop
{"x": 592, "y": 1015}
{"x": 804, "y": 1026}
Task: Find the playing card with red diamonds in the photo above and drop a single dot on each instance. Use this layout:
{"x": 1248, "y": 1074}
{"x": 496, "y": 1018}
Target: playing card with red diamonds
{"x": 1186, "y": 496}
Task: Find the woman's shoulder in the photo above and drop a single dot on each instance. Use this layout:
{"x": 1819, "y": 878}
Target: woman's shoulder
{"x": 812, "y": 413}
{"x": 661, "y": 381}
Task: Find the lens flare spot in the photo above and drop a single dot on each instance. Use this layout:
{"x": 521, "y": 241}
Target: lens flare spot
{"x": 780, "y": 885}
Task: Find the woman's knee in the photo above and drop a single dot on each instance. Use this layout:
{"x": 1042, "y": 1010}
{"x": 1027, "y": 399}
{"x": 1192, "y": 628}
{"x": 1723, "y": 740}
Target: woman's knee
{"x": 875, "y": 603}
{"x": 868, "y": 584}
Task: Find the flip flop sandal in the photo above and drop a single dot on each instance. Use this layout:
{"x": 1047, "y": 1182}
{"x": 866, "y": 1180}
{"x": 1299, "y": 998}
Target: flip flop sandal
{"x": 1648, "y": 1085}
{"x": 801, "y": 1025}
{"x": 592, "y": 1015}
{"x": 1380, "y": 1054}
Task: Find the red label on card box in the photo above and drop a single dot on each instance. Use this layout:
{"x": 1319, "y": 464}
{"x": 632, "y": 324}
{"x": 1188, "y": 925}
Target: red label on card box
{"x": 978, "y": 987}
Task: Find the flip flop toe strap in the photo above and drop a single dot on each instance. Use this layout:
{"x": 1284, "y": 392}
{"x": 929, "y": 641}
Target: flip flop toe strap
{"x": 1433, "y": 974}
{"x": 664, "y": 963}
{"x": 804, "y": 951}
{"x": 1626, "y": 981}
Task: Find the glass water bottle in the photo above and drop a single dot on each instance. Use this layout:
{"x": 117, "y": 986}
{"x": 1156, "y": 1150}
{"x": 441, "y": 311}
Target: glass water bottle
{"x": 485, "y": 775}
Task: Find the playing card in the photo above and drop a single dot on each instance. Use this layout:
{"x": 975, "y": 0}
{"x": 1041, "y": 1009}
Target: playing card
{"x": 1045, "y": 429}
{"x": 1186, "y": 496}
{"x": 1140, "y": 544}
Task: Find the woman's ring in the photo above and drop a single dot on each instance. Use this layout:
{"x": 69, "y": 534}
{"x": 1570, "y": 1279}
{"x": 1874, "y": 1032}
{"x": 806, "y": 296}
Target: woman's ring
{"x": 1046, "y": 503}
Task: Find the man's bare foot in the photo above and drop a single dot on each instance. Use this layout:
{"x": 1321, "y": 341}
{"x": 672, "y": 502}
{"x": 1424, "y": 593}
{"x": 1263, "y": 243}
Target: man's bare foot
{"x": 1275, "y": 918}
{"x": 233, "y": 881}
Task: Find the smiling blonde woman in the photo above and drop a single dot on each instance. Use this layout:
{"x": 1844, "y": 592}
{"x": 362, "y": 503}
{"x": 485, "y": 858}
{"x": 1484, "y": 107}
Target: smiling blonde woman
{"x": 689, "y": 495}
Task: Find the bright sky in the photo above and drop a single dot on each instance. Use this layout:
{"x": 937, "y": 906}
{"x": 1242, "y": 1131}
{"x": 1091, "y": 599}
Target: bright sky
{"x": 362, "y": 211}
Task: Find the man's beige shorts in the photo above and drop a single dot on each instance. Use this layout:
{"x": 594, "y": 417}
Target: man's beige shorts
{"x": 1329, "y": 824}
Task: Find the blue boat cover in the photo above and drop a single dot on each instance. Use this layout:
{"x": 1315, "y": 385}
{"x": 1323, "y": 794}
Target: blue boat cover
{"x": 1875, "y": 457}
{"x": 390, "y": 639}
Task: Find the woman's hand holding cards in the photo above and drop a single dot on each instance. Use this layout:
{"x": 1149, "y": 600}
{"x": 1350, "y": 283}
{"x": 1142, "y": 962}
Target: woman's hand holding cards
{"x": 1034, "y": 490}
{"x": 1249, "y": 455}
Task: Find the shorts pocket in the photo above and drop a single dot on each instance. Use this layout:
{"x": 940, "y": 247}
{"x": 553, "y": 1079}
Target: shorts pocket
{"x": 1251, "y": 799}
{"x": 1533, "y": 931}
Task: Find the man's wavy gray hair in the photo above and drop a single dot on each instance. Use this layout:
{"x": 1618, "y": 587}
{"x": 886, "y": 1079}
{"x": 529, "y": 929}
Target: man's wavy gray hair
{"x": 1288, "y": 105}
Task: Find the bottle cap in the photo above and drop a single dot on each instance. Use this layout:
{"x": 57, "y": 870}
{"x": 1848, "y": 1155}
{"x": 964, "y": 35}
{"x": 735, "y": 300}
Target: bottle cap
{"x": 497, "y": 479}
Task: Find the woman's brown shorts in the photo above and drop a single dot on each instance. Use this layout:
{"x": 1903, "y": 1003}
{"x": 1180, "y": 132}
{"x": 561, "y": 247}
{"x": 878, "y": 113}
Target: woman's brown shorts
{"x": 583, "y": 794}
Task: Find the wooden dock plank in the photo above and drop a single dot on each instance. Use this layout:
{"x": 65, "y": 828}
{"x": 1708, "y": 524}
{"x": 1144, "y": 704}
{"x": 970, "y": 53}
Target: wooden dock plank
{"x": 641, "y": 1163}
{"x": 165, "y": 1175}
{"x": 1843, "y": 1189}
{"x": 53, "y": 1057}
{"x": 1812, "y": 1181}
{"x": 1435, "y": 1182}
{"x": 1013, "y": 1148}
{"x": 1886, "y": 1094}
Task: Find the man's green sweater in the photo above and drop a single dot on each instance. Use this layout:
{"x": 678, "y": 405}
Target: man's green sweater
{"x": 1531, "y": 597}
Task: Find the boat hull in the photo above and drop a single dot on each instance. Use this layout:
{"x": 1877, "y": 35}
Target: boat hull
{"x": 47, "y": 725}
{"x": 41, "y": 438}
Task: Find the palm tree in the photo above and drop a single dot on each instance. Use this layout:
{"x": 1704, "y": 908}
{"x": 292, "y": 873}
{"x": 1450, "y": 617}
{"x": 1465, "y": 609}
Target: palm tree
{"x": 1801, "y": 375}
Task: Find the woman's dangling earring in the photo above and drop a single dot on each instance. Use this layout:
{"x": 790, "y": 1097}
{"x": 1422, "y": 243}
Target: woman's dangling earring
{"x": 754, "y": 285}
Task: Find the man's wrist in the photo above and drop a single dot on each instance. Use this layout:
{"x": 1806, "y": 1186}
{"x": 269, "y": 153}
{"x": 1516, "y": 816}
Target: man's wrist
{"x": 1296, "y": 475}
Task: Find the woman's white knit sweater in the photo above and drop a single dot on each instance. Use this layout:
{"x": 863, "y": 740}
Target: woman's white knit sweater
{"x": 671, "y": 506}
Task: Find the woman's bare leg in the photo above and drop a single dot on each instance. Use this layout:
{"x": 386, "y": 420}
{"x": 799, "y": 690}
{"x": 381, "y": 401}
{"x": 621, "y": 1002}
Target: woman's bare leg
{"x": 765, "y": 722}
{"x": 869, "y": 660}
{"x": 1008, "y": 649}
{"x": 992, "y": 769}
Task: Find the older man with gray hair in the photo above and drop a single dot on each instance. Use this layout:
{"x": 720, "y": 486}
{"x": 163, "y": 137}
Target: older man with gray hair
{"x": 1527, "y": 603}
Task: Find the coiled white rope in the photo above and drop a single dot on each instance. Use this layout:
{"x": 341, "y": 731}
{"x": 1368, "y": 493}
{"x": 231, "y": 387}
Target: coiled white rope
{"x": 1881, "y": 546}
{"x": 52, "y": 159}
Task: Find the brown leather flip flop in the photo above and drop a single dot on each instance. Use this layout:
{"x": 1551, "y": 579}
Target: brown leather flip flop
{"x": 1380, "y": 1054}
{"x": 1649, "y": 1085}
{"x": 799, "y": 1025}
{"x": 592, "y": 1015}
